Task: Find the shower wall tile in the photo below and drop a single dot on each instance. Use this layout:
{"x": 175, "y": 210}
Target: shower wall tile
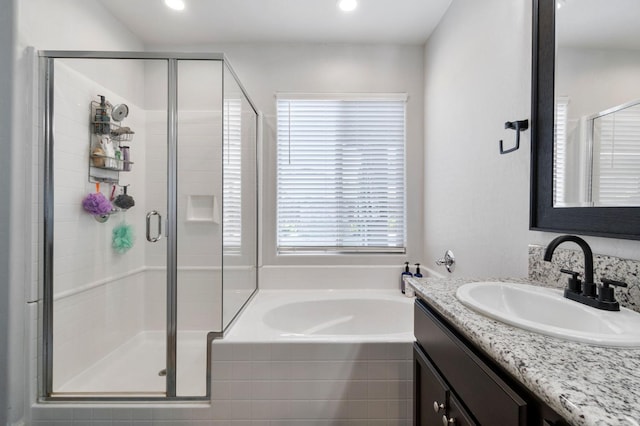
{"x": 199, "y": 299}
{"x": 98, "y": 292}
{"x": 199, "y": 157}
{"x": 89, "y": 325}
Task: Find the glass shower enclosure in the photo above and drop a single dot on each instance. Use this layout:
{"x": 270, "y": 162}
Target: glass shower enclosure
{"x": 149, "y": 207}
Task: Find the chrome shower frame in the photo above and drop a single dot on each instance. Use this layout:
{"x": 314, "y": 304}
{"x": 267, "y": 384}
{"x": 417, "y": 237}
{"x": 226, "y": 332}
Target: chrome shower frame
{"x": 47, "y": 70}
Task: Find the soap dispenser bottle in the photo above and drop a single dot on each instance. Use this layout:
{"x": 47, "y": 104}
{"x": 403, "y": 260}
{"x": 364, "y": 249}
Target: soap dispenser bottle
{"x": 417, "y": 274}
{"x": 405, "y": 274}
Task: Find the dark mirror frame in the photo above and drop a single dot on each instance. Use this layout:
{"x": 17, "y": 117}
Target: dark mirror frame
{"x": 612, "y": 222}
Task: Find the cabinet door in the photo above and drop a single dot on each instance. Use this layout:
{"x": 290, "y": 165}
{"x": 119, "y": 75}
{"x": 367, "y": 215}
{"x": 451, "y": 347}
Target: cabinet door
{"x": 491, "y": 400}
{"x": 429, "y": 392}
{"x": 457, "y": 414}
{"x": 434, "y": 403}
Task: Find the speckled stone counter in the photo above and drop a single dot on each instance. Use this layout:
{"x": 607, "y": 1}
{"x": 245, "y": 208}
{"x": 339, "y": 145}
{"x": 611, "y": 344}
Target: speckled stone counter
{"x": 587, "y": 385}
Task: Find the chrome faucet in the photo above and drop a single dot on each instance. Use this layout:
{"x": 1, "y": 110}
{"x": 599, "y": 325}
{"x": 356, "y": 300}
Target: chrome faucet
{"x": 586, "y": 292}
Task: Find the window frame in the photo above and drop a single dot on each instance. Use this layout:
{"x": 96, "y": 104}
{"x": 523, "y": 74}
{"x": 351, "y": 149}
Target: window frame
{"x": 343, "y": 249}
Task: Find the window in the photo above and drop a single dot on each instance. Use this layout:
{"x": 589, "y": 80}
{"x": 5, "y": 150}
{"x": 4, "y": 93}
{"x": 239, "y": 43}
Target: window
{"x": 232, "y": 175}
{"x": 617, "y": 134}
{"x": 341, "y": 176}
{"x": 560, "y": 150}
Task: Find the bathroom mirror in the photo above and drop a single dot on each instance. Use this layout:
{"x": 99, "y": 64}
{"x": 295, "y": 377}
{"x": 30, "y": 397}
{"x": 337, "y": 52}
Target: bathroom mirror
{"x": 568, "y": 114}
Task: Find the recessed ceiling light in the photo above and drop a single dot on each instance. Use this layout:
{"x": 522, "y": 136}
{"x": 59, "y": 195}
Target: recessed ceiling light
{"x": 175, "y": 4}
{"x": 347, "y": 5}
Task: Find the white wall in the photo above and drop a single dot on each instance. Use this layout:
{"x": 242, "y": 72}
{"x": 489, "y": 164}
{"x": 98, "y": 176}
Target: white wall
{"x": 11, "y": 407}
{"x": 72, "y": 25}
{"x": 597, "y": 79}
{"x": 81, "y": 25}
{"x": 477, "y": 76}
{"x": 266, "y": 69}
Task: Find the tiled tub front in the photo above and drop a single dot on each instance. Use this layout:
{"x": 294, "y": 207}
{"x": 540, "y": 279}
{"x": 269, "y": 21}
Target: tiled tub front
{"x": 319, "y": 383}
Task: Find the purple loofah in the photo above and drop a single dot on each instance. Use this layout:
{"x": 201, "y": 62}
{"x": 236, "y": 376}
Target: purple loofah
{"x": 97, "y": 204}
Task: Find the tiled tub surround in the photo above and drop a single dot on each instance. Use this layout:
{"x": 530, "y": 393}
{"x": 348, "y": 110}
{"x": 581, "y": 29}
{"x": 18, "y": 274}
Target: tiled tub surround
{"x": 587, "y": 385}
{"x": 320, "y": 383}
{"x": 614, "y": 268}
{"x": 304, "y": 375}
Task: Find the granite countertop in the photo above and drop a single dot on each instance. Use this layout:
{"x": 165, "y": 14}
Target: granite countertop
{"x": 587, "y": 385}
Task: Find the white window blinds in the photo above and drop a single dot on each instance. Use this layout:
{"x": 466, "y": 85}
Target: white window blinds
{"x": 618, "y": 136}
{"x": 560, "y": 150}
{"x": 232, "y": 178}
{"x": 341, "y": 176}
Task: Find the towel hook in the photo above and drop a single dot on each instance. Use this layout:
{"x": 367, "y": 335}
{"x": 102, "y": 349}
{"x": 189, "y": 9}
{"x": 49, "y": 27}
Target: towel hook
{"x": 518, "y": 126}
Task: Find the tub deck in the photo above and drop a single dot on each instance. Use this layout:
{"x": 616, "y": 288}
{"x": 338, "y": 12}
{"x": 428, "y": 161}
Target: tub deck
{"x": 325, "y": 316}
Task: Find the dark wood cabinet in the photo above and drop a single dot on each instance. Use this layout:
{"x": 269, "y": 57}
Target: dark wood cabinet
{"x": 456, "y": 384}
{"x": 457, "y": 415}
{"x": 435, "y": 404}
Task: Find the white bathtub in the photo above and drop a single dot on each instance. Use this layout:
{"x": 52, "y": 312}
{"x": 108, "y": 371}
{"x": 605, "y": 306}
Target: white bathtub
{"x": 326, "y": 315}
{"x": 318, "y": 357}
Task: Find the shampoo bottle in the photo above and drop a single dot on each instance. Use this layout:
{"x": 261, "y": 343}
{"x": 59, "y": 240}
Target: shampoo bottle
{"x": 417, "y": 274}
{"x": 404, "y": 275}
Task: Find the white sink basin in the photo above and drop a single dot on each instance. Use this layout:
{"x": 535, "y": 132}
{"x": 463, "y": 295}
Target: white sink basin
{"x": 546, "y": 311}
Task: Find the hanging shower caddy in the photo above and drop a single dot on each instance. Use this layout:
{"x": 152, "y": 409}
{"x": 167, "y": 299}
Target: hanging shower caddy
{"x": 108, "y": 154}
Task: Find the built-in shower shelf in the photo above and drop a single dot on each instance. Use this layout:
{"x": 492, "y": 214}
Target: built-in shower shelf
{"x": 203, "y": 208}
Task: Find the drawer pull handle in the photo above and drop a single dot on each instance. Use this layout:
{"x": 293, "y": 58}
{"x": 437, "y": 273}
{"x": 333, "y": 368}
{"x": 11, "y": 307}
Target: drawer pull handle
{"x": 437, "y": 406}
{"x": 448, "y": 421}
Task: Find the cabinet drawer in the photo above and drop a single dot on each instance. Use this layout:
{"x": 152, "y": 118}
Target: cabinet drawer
{"x": 487, "y": 396}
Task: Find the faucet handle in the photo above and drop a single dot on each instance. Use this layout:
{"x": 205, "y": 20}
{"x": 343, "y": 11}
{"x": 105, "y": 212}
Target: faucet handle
{"x": 574, "y": 274}
{"x": 607, "y": 282}
{"x": 574, "y": 283}
{"x": 606, "y": 292}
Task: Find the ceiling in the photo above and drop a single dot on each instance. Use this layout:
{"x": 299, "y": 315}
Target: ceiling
{"x": 250, "y": 21}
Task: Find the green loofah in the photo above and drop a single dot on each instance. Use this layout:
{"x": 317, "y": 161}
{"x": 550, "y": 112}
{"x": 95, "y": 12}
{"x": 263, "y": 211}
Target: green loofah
{"x": 122, "y": 238}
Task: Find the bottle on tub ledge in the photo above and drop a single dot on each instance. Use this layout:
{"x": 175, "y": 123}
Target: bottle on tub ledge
{"x": 417, "y": 274}
{"x": 407, "y": 273}
{"x": 408, "y": 290}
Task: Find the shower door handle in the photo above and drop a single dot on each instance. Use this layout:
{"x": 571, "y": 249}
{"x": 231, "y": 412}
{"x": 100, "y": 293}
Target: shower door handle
{"x": 158, "y": 237}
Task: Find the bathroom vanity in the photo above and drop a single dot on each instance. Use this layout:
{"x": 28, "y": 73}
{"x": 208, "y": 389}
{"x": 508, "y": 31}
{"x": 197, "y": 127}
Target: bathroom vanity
{"x": 470, "y": 369}
{"x": 451, "y": 374}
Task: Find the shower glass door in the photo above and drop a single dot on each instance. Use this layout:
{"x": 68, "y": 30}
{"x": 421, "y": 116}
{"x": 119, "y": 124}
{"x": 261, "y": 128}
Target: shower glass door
{"x": 106, "y": 204}
{"x": 240, "y": 210}
{"x": 199, "y": 219}
{"x": 150, "y": 221}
